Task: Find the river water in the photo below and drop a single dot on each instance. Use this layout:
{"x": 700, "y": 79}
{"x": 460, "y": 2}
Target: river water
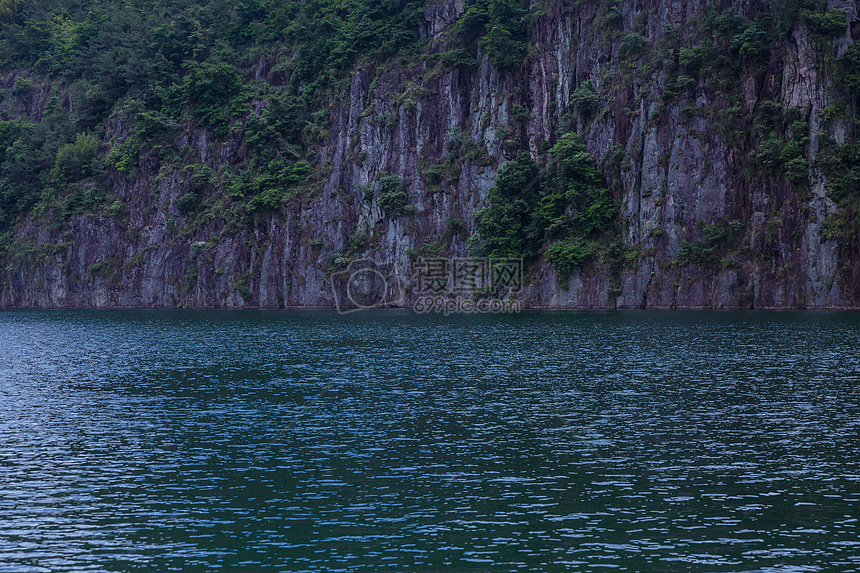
{"x": 391, "y": 441}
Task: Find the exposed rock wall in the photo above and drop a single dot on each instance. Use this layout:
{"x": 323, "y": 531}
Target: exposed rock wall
{"x": 678, "y": 172}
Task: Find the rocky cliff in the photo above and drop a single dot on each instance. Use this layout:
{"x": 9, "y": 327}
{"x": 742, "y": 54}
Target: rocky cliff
{"x": 717, "y": 166}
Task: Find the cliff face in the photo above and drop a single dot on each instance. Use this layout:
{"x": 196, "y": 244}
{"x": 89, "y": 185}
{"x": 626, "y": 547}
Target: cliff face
{"x": 677, "y": 166}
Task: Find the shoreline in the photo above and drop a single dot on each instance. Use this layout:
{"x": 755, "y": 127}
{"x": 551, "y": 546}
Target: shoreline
{"x": 408, "y": 308}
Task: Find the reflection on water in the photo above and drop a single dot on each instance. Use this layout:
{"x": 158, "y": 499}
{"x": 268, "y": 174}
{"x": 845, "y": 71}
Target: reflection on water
{"x": 309, "y": 441}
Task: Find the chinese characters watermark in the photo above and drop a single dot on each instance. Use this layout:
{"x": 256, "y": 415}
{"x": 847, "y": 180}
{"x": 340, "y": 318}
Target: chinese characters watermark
{"x": 436, "y": 284}
{"x": 468, "y": 285}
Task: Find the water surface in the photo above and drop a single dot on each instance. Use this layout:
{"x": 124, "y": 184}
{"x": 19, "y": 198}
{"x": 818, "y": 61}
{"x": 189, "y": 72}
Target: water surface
{"x": 310, "y": 441}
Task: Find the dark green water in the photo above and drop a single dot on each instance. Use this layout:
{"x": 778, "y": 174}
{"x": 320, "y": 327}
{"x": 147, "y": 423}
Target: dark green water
{"x": 309, "y": 441}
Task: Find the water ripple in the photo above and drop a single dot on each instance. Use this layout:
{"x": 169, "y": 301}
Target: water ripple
{"x": 299, "y": 441}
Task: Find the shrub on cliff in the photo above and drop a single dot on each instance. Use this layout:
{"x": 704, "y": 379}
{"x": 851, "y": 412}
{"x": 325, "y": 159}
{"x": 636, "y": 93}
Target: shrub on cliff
{"x": 77, "y": 160}
{"x": 574, "y": 201}
{"x": 500, "y": 28}
{"x": 505, "y": 226}
{"x": 394, "y": 196}
{"x": 585, "y": 98}
{"x": 568, "y": 255}
{"x": 27, "y": 153}
{"x": 834, "y": 22}
{"x": 215, "y": 93}
{"x": 564, "y": 207}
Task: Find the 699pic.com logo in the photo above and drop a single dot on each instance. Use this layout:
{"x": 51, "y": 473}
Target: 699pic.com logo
{"x": 366, "y": 284}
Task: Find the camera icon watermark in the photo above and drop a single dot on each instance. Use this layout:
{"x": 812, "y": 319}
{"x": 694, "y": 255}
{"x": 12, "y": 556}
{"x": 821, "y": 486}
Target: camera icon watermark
{"x": 365, "y": 285}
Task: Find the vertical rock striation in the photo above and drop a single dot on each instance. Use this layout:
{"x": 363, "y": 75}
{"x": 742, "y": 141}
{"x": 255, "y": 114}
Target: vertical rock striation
{"x": 675, "y": 166}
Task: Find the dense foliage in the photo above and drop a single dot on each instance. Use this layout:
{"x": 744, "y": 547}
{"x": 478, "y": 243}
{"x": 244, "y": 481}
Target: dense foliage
{"x": 564, "y": 205}
{"x": 105, "y": 88}
{"x": 155, "y": 64}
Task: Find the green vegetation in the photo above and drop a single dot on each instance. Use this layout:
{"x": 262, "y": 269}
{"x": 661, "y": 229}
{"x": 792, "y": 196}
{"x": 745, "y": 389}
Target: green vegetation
{"x": 499, "y": 27}
{"x": 849, "y": 73}
{"x": 78, "y": 160}
{"x": 786, "y": 155}
{"x": 128, "y": 75}
{"x": 394, "y": 196}
{"x": 215, "y": 92}
{"x": 230, "y": 101}
{"x": 242, "y": 286}
{"x": 574, "y": 201}
{"x": 585, "y": 99}
{"x": 710, "y": 249}
{"x": 505, "y": 226}
{"x": 813, "y": 12}
{"x": 842, "y": 167}
{"x": 564, "y": 208}
{"x": 567, "y": 256}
